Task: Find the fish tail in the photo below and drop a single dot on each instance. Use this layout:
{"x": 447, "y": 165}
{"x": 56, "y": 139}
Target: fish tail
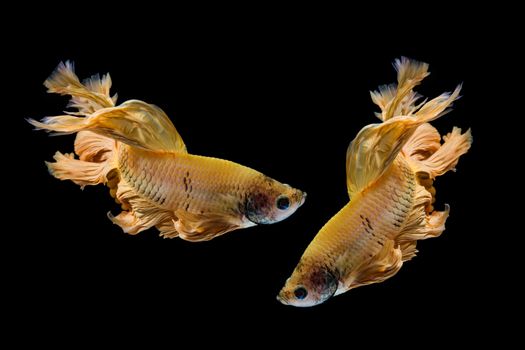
{"x": 429, "y": 159}
{"x": 87, "y": 97}
{"x": 438, "y": 106}
{"x": 101, "y": 129}
{"x": 377, "y": 145}
{"x": 82, "y": 173}
{"x": 399, "y": 99}
{"x": 133, "y": 122}
{"x": 96, "y": 159}
{"x": 447, "y": 156}
{"x": 96, "y": 152}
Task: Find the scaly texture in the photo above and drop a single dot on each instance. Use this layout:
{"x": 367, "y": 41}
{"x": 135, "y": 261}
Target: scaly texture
{"x": 390, "y": 172}
{"x": 137, "y": 152}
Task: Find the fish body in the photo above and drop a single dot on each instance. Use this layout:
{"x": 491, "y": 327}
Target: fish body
{"x": 136, "y": 151}
{"x": 390, "y": 171}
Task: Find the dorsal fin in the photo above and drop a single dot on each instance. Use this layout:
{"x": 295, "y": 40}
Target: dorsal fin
{"x": 374, "y": 149}
{"x": 139, "y": 124}
{"x": 377, "y": 145}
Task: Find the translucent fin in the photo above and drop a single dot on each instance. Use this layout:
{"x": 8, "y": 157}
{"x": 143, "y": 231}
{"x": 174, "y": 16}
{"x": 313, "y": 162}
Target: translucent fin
{"x": 83, "y": 173}
{"x": 92, "y": 147}
{"x": 134, "y": 122}
{"x": 395, "y": 100}
{"x": 408, "y": 250}
{"x": 142, "y": 213}
{"x": 378, "y": 268}
{"x": 88, "y": 97}
{"x": 447, "y": 156}
{"x": 377, "y": 145}
{"x": 374, "y": 149}
{"x": 167, "y": 229}
{"x": 195, "y": 227}
{"x": 424, "y": 142}
{"x": 438, "y": 106}
{"x": 424, "y": 226}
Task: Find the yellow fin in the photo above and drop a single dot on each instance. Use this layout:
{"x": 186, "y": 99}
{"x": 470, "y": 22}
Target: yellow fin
{"x": 424, "y": 142}
{"x": 134, "y": 122}
{"x": 92, "y": 147}
{"x": 385, "y": 264}
{"x": 395, "y": 100}
{"x": 400, "y": 99}
{"x": 88, "y": 97}
{"x": 376, "y": 145}
{"x": 142, "y": 213}
{"x": 167, "y": 229}
{"x": 203, "y": 227}
{"x": 374, "y": 149}
{"x": 83, "y": 173}
{"x": 423, "y": 226}
{"x": 408, "y": 250}
{"x": 447, "y": 156}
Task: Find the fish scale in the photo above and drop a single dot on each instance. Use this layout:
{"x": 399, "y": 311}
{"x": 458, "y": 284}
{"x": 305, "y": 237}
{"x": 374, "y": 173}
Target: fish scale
{"x": 390, "y": 168}
{"x": 136, "y": 150}
{"x": 148, "y": 173}
{"x": 379, "y": 206}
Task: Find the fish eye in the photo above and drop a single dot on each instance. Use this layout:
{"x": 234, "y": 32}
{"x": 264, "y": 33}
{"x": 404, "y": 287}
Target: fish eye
{"x": 300, "y": 293}
{"x": 283, "y": 202}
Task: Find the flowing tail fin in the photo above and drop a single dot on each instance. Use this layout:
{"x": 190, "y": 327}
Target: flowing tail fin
{"x": 100, "y": 125}
{"x": 377, "y": 145}
{"x": 399, "y": 99}
{"x": 101, "y": 128}
{"x": 88, "y": 97}
{"x": 83, "y": 173}
{"x": 96, "y": 152}
{"x": 134, "y": 122}
{"x": 447, "y": 156}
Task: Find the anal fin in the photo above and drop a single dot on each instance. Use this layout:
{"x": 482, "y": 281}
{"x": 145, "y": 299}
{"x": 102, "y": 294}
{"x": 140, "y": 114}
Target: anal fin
{"x": 167, "y": 229}
{"x": 424, "y": 226}
{"x": 142, "y": 213}
{"x": 385, "y": 264}
{"x": 203, "y": 227}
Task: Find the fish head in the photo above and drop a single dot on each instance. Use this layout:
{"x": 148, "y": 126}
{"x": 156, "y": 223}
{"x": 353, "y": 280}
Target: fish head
{"x": 270, "y": 201}
{"x": 309, "y": 285}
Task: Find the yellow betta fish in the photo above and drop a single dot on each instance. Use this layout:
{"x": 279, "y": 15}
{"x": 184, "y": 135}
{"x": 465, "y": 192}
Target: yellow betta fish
{"x": 135, "y": 149}
{"x": 390, "y": 171}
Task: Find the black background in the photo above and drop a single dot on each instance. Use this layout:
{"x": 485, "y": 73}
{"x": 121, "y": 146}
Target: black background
{"x": 283, "y": 99}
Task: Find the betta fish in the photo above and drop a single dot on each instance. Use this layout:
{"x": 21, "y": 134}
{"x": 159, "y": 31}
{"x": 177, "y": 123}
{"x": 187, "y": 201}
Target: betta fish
{"x": 391, "y": 167}
{"x": 136, "y": 151}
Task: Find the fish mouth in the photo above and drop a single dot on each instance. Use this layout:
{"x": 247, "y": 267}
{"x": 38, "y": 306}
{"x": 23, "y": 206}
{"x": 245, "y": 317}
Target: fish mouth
{"x": 303, "y": 198}
{"x": 281, "y": 299}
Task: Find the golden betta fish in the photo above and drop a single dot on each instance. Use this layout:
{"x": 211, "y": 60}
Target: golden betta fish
{"x": 390, "y": 168}
{"x": 135, "y": 149}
